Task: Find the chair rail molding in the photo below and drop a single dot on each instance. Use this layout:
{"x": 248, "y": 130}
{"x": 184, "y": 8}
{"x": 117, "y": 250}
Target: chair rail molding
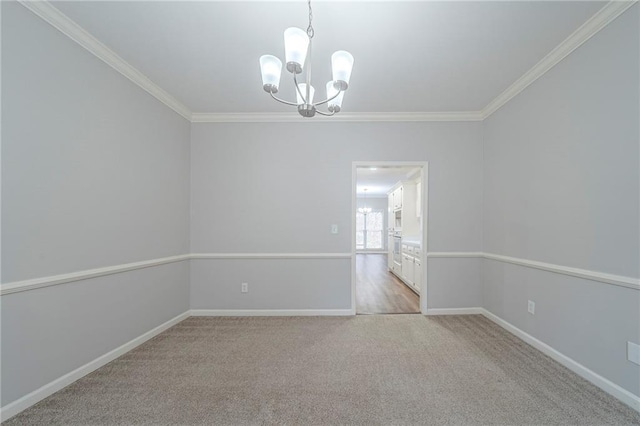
{"x": 602, "y": 277}
{"x": 35, "y": 283}
{"x": 618, "y": 280}
{"x": 32, "y": 284}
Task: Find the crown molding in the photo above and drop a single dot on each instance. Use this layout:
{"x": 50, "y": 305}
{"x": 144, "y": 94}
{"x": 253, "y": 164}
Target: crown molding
{"x": 45, "y": 10}
{"x": 601, "y": 19}
{"x": 289, "y": 117}
{"x": 75, "y": 32}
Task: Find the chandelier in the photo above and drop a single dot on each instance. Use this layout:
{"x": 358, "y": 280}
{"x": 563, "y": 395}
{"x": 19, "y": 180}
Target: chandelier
{"x": 365, "y": 210}
{"x": 297, "y": 46}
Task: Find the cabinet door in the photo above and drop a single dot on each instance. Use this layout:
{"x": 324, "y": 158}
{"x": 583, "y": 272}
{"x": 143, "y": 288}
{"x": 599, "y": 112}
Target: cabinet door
{"x": 407, "y": 268}
{"x": 399, "y": 200}
{"x": 417, "y": 273}
{"x": 390, "y": 215}
{"x": 390, "y": 253}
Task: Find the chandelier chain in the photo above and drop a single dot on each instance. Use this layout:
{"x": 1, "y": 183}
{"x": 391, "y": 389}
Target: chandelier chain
{"x": 310, "y": 31}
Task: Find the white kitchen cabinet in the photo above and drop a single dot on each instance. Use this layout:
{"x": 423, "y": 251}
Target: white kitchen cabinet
{"x": 407, "y": 269}
{"x": 410, "y": 269}
{"x": 402, "y": 209}
{"x": 397, "y": 198}
{"x": 417, "y": 273}
{"x": 390, "y": 215}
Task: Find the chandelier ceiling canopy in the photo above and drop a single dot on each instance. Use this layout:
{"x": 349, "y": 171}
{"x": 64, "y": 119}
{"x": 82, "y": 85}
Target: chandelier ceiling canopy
{"x": 297, "y": 46}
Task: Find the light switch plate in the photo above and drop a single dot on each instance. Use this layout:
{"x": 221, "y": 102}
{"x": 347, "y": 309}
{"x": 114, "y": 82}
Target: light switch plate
{"x": 334, "y": 229}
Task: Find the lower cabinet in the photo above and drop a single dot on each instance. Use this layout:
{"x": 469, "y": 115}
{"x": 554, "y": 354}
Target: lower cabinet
{"x": 410, "y": 270}
{"x": 407, "y": 268}
{"x": 417, "y": 273}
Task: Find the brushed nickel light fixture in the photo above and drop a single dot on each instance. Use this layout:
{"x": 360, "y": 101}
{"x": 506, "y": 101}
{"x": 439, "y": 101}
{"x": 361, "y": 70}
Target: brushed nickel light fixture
{"x": 297, "y": 46}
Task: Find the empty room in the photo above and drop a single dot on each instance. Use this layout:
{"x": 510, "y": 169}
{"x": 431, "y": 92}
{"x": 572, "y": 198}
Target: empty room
{"x": 185, "y": 231}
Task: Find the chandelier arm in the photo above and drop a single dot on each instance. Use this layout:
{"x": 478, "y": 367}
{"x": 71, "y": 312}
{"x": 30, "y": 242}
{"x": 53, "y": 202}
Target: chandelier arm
{"x": 324, "y": 113}
{"x": 295, "y": 80}
{"x": 282, "y": 100}
{"x": 330, "y": 99}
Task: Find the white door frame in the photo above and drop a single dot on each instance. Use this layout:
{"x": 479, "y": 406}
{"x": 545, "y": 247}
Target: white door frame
{"x": 424, "y": 168}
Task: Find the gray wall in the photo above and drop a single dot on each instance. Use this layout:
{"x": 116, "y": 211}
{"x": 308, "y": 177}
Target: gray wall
{"x": 94, "y": 173}
{"x": 561, "y": 178}
{"x": 277, "y": 188}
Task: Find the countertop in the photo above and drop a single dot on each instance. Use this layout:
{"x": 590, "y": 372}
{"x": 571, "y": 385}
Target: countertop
{"x": 412, "y": 241}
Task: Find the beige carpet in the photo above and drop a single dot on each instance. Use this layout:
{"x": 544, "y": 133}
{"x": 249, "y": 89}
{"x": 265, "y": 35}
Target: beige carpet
{"x": 373, "y": 370}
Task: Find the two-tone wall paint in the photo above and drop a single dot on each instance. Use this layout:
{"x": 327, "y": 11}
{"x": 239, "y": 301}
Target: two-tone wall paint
{"x": 97, "y": 173}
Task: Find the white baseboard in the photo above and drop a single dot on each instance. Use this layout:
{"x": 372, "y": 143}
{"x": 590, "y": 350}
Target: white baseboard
{"x": 605, "y": 384}
{"x": 455, "y": 311}
{"x": 270, "y": 312}
{"x": 50, "y": 388}
{"x": 30, "y": 399}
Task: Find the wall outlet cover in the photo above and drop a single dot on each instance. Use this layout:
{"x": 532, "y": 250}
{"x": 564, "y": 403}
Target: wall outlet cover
{"x": 531, "y": 307}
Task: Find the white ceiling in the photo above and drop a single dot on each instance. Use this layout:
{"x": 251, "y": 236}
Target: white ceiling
{"x": 410, "y": 56}
{"x": 378, "y": 180}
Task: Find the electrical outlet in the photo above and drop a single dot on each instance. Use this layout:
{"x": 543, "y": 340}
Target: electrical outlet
{"x": 633, "y": 352}
{"x": 531, "y": 307}
{"x": 334, "y": 229}
{"x": 244, "y": 287}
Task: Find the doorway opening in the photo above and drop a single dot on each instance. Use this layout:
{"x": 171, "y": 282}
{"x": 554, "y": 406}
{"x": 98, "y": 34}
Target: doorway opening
{"x": 389, "y": 234}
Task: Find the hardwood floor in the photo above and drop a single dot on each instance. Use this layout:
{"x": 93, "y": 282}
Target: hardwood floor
{"x": 378, "y": 291}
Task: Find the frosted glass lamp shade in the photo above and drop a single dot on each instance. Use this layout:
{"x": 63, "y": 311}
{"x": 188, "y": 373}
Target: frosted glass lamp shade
{"x": 296, "y": 44}
{"x": 336, "y": 103}
{"x": 341, "y": 65}
{"x": 271, "y": 68}
{"x": 303, "y": 89}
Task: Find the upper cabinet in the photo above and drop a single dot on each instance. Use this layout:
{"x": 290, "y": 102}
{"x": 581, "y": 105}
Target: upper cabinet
{"x": 402, "y": 204}
{"x": 397, "y": 198}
